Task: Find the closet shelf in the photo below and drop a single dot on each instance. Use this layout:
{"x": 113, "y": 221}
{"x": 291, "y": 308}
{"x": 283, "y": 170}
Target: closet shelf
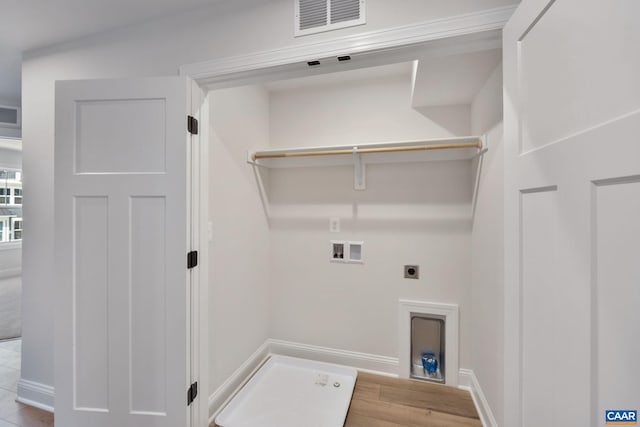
{"x": 459, "y": 148}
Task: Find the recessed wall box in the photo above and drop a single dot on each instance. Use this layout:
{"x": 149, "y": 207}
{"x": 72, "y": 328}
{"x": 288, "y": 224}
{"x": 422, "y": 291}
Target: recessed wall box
{"x": 346, "y": 252}
{"x": 355, "y": 252}
{"x": 428, "y": 347}
{"x": 338, "y": 251}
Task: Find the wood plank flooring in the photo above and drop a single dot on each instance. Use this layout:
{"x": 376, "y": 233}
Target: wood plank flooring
{"x": 380, "y": 401}
{"x": 12, "y": 413}
{"x": 391, "y": 402}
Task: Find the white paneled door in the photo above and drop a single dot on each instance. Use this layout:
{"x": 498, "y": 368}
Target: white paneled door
{"x": 122, "y": 227}
{"x": 572, "y": 200}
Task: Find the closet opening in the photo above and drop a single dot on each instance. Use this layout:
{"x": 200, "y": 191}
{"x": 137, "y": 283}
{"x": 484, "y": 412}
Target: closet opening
{"x": 384, "y": 151}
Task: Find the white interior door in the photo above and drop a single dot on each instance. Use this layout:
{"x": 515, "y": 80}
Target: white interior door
{"x": 122, "y": 236}
{"x": 572, "y": 194}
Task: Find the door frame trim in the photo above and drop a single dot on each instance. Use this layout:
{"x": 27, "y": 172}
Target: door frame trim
{"x": 216, "y": 72}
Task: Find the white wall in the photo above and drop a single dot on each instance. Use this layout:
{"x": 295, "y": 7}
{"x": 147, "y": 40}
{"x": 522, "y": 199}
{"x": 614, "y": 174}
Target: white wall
{"x": 10, "y": 156}
{"x": 486, "y": 108}
{"x": 10, "y": 132}
{"x": 488, "y": 248}
{"x": 157, "y": 48}
{"x": 410, "y": 213}
{"x": 375, "y": 110}
{"x": 238, "y": 253}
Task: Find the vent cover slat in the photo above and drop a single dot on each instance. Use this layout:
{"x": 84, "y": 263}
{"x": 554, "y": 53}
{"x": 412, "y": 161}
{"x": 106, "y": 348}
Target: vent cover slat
{"x": 344, "y": 10}
{"x": 313, "y": 13}
{"x": 314, "y": 16}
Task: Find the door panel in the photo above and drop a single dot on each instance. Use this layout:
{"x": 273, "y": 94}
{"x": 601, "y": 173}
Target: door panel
{"x": 122, "y": 234}
{"x": 90, "y": 303}
{"x": 616, "y": 293}
{"x": 563, "y": 54}
{"x": 148, "y": 305}
{"x": 572, "y": 116}
{"x": 538, "y": 226}
{"x": 102, "y": 147}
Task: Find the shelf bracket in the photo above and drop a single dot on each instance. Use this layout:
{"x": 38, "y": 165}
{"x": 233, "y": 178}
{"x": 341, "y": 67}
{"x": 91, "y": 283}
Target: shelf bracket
{"x": 251, "y": 158}
{"x": 478, "y": 162}
{"x": 359, "y": 181}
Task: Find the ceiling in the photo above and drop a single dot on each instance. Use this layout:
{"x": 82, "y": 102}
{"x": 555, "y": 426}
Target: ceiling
{"x": 33, "y": 24}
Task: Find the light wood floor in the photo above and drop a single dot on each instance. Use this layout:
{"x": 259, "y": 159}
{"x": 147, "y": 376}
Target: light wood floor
{"x": 12, "y": 413}
{"x": 391, "y": 402}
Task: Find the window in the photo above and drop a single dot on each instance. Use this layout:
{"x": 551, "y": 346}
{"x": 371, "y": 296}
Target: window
{"x": 5, "y": 196}
{"x": 16, "y": 228}
{"x": 9, "y": 175}
{"x": 10, "y": 187}
{"x": 10, "y": 205}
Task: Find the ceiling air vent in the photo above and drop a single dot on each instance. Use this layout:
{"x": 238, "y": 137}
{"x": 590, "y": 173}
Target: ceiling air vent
{"x": 9, "y": 116}
{"x": 316, "y": 16}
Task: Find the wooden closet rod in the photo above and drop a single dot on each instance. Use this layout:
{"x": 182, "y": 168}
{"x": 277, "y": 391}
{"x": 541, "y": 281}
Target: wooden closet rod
{"x": 344, "y": 151}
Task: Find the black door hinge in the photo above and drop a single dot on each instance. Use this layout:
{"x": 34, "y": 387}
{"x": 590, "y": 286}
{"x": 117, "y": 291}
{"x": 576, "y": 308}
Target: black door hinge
{"x": 192, "y": 259}
{"x": 192, "y": 393}
{"x": 192, "y": 125}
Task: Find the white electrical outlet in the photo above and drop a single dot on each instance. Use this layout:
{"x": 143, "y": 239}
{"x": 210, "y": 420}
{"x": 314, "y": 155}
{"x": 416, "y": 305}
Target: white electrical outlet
{"x": 334, "y": 225}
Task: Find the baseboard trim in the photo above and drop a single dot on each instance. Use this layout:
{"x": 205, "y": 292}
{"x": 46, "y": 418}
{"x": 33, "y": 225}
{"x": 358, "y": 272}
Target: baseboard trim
{"x": 35, "y": 394}
{"x": 237, "y": 380}
{"x": 383, "y": 365}
{"x": 467, "y": 380}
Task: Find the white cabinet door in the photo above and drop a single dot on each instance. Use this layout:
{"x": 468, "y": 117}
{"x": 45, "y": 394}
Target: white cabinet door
{"x": 572, "y": 211}
{"x": 122, "y": 230}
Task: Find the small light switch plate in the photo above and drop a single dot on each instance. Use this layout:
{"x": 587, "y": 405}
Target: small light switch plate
{"x": 334, "y": 225}
{"x": 411, "y": 271}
